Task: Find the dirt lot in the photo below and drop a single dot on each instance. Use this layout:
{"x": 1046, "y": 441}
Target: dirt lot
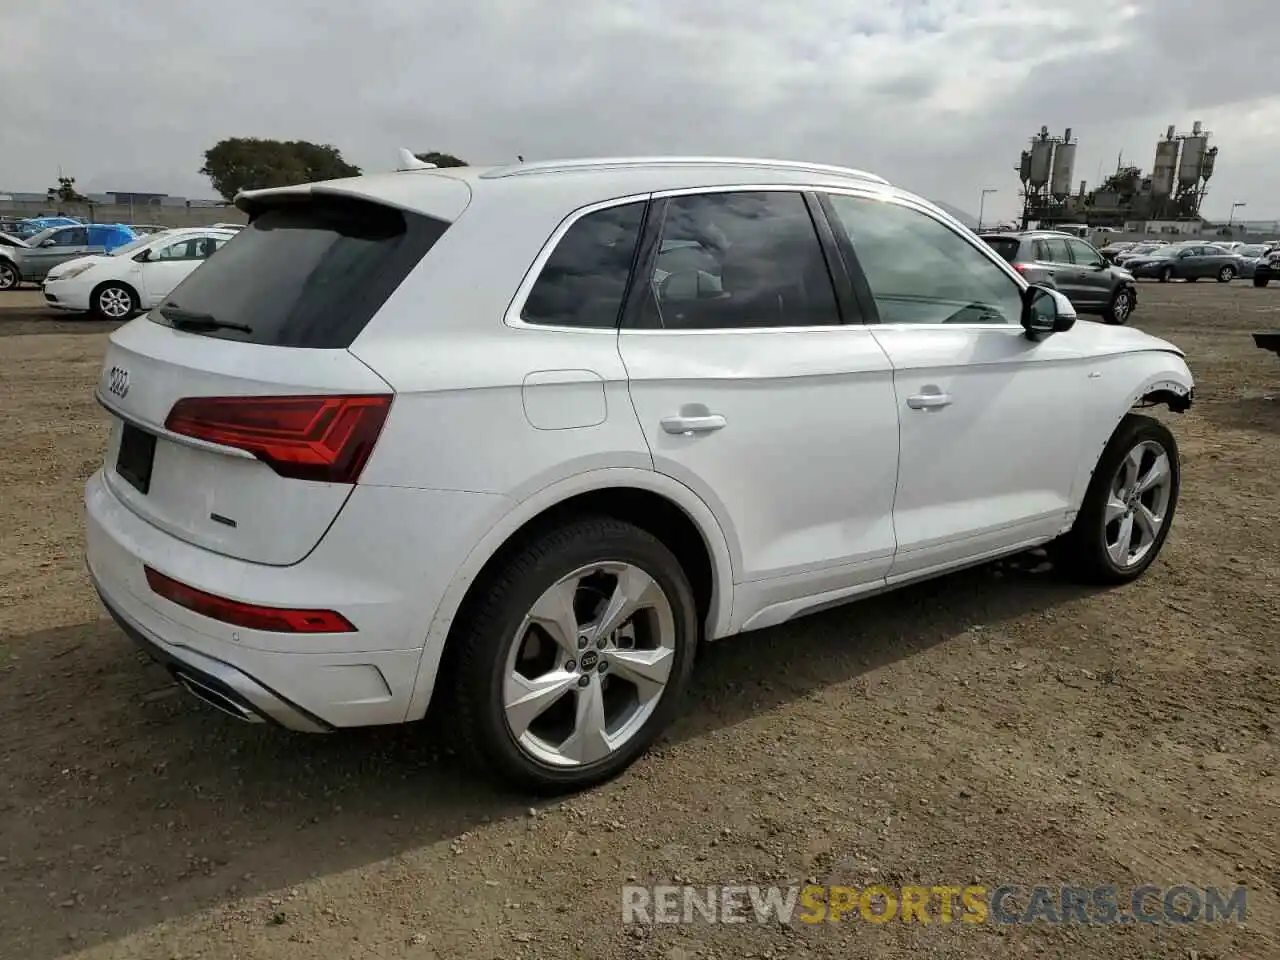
{"x": 993, "y": 727}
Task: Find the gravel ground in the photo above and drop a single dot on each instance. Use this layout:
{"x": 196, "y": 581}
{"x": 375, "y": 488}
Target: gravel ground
{"x": 992, "y": 727}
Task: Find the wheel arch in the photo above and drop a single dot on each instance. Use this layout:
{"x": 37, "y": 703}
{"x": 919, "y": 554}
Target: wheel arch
{"x": 137, "y": 297}
{"x": 1162, "y": 378}
{"x": 666, "y": 508}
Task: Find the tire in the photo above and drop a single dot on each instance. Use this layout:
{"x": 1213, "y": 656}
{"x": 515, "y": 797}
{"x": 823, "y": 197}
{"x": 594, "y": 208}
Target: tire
{"x": 1120, "y": 308}
{"x": 1261, "y": 281}
{"x": 1082, "y": 553}
{"x": 498, "y": 641}
{"x": 1226, "y": 274}
{"x": 9, "y": 278}
{"x": 113, "y": 301}
{"x": 1166, "y": 274}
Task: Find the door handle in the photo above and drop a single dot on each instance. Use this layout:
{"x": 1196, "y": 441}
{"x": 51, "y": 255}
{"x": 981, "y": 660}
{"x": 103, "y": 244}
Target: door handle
{"x": 929, "y": 401}
{"x": 688, "y": 426}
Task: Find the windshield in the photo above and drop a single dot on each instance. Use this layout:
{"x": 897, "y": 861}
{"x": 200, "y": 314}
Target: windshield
{"x": 38, "y": 238}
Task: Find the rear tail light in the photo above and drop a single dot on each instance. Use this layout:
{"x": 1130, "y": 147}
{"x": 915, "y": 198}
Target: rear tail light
{"x": 249, "y": 615}
{"x": 325, "y": 438}
{"x": 1020, "y": 267}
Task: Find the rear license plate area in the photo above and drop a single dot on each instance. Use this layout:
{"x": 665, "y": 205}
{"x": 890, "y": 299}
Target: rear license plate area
{"x": 136, "y": 457}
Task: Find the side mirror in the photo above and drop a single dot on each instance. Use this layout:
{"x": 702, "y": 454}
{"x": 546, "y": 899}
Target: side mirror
{"x": 1046, "y": 311}
{"x": 49, "y": 243}
{"x": 142, "y": 256}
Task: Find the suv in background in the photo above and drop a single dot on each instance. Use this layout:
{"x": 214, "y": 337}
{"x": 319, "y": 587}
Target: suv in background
{"x": 1071, "y": 266}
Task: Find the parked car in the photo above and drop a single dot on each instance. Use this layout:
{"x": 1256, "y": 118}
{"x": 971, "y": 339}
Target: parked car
{"x": 28, "y": 228}
{"x": 1266, "y": 269}
{"x": 295, "y": 515}
{"x": 1192, "y": 261}
{"x": 1072, "y": 266}
{"x": 1115, "y": 248}
{"x": 1137, "y": 250}
{"x": 1249, "y": 254}
{"x": 57, "y": 245}
{"x": 137, "y": 276}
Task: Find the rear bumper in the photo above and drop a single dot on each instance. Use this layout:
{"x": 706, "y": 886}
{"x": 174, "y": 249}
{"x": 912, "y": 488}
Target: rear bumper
{"x": 384, "y": 564}
{"x": 221, "y": 685}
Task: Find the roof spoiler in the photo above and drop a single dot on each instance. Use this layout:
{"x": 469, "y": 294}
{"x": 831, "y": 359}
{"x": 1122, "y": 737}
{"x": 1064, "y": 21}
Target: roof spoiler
{"x": 409, "y": 162}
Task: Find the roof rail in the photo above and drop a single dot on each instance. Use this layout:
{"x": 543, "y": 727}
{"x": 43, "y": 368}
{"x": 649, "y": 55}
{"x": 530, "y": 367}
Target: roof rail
{"x": 607, "y": 163}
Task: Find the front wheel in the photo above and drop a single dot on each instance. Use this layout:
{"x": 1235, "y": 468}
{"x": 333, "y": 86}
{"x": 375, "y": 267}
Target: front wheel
{"x": 1128, "y": 508}
{"x": 9, "y": 278}
{"x": 113, "y": 301}
{"x": 1120, "y": 308}
{"x": 1261, "y": 281}
{"x": 1226, "y": 274}
{"x": 574, "y": 657}
{"x": 1166, "y": 274}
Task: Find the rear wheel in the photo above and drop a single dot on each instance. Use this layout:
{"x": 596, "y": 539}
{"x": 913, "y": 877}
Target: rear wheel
{"x": 9, "y": 278}
{"x": 1128, "y": 508}
{"x": 574, "y": 658}
{"x": 1261, "y": 281}
{"x": 1166, "y": 274}
{"x": 1226, "y": 274}
{"x": 113, "y": 301}
{"x": 1121, "y": 306}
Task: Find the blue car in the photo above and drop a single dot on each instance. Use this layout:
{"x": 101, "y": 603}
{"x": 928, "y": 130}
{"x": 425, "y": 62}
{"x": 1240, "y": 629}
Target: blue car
{"x": 29, "y": 228}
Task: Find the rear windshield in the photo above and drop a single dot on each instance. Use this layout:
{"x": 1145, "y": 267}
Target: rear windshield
{"x": 308, "y": 273}
{"x": 1007, "y": 247}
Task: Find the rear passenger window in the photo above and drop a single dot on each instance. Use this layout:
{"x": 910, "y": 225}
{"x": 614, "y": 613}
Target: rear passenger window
{"x": 734, "y": 261}
{"x": 1056, "y": 250}
{"x": 584, "y": 281}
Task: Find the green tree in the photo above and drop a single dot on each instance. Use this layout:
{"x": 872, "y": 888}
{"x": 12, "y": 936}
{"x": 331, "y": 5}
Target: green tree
{"x": 66, "y": 192}
{"x": 250, "y": 163}
{"x": 440, "y": 159}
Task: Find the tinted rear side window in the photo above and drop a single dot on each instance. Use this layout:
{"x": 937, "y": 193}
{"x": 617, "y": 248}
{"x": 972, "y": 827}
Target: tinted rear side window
{"x": 303, "y": 274}
{"x": 585, "y": 279}
{"x": 1007, "y": 247}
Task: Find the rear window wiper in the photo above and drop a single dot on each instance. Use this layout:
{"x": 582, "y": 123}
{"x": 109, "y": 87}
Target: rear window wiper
{"x": 193, "y": 320}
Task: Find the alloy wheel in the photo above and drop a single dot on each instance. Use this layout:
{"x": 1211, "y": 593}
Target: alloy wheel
{"x": 589, "y": 664}
{"x": 1137, "y": 504}
{"x": 115, "y": 302}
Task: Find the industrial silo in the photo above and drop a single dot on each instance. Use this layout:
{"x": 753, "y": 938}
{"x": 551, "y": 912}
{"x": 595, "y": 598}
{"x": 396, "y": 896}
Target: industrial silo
{"x": 1165, "y": 168}
{"x": 1064, "y": 162}
{"x": 1024, "y": 166}
{"x": 1193, "y": 150}
{"x": 1041, "y": 160}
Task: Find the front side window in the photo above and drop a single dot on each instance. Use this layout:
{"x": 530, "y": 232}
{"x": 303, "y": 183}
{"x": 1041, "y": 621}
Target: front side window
{"x": 584, "y": 281}
{"x": 192, "y": 248}
{"x": 1084, "y": 254}
{"x": 71, "y": 237}
{"x": 739, "y": 261}
{"x": 922, "y": 271}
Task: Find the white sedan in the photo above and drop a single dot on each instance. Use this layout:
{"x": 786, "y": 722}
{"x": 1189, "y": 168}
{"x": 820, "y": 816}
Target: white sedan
{"x": 137, "y": 276}
{"x": 515, "y": 441}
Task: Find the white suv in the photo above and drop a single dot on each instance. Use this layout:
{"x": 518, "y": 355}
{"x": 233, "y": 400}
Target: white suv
{"x": 513, "y": 441}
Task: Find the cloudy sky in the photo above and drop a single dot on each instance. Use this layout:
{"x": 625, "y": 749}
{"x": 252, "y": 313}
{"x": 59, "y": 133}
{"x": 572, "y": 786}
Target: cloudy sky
{"x": 940, "y": 95}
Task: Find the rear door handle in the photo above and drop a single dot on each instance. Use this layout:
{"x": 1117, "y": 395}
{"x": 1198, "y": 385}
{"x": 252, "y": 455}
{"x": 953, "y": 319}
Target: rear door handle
{"x": 929, "y": 401}
{"x": 687, "y": 426}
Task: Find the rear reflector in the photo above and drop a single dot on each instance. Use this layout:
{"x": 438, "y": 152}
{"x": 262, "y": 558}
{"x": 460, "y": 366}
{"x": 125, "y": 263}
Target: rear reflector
{"x": 249, "y": 615}
{"x": 324, "y": 438}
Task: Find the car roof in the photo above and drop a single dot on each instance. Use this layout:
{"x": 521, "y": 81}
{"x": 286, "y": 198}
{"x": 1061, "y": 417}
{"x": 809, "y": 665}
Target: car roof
{"x": 446, "y": 191}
